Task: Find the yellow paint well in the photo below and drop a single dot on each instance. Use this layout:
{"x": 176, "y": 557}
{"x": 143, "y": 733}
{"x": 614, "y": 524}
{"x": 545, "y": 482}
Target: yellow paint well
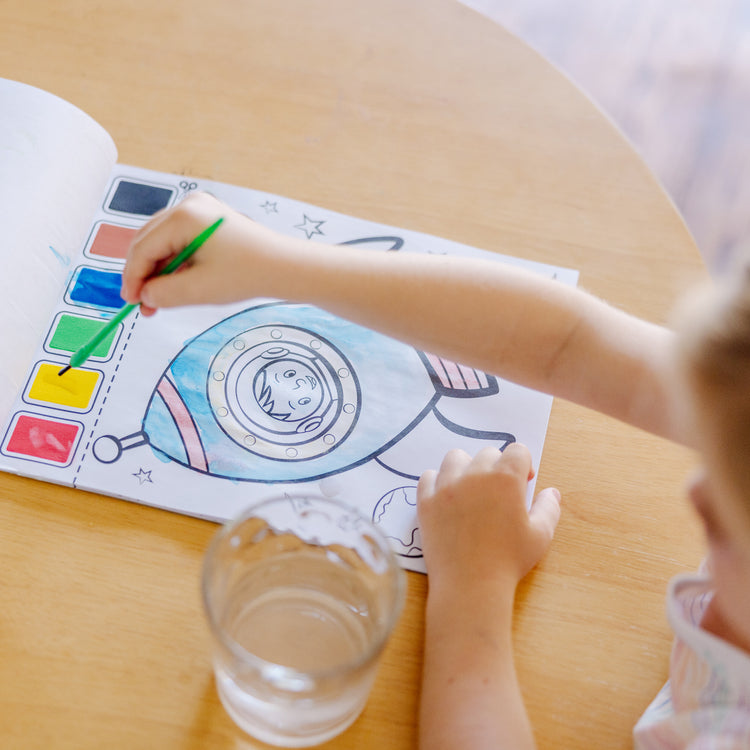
{"x": 74, "y": 389}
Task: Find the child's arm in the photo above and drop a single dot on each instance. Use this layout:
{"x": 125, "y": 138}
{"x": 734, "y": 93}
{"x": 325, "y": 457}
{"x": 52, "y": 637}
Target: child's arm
{"x": 531, "y": 330}
{"x": 478, "y": 542}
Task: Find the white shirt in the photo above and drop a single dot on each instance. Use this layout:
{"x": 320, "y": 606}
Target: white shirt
{"x": 705, "y": 705}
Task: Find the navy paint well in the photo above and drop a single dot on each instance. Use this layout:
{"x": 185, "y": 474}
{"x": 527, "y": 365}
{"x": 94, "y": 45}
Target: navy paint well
{"x": 137, "y": 198}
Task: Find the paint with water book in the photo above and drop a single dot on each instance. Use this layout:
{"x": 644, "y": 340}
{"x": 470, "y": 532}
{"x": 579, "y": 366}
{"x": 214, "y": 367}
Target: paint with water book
{"x": 203, "y": 410}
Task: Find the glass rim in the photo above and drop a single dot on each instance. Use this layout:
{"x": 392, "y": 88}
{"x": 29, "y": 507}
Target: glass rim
{"x": 397, "y": 592}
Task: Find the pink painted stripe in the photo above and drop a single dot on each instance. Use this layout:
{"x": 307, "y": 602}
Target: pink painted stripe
{"x": 454, "y": 374}
{"x": 437, "y": 365}
{"x": 470, "y": 377}
{"x": 184, "y": 422}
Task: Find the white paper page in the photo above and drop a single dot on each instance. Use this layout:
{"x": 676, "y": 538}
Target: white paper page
{"x": 54, "y": 165}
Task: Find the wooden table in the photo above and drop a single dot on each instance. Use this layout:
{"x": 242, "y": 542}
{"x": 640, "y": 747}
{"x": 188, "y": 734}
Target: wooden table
{"x": 417, "y": 113}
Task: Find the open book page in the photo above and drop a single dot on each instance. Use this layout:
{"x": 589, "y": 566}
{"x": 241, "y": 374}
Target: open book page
{"x": 54, "y": 165}
{"x": 203, "y": 410}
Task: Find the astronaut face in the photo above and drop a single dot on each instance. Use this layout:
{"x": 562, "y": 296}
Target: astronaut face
{"x": 288, "y": 390}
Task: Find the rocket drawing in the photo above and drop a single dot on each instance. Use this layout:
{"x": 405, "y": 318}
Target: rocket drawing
{"x": 284, "y": 392}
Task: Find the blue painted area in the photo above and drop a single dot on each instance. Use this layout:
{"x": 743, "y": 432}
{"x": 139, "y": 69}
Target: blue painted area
{"x": 95, "y": 288}
{"x": 394, "y": 387}
{"x": 61, "y": 259}
{"x": 161, "y": 423}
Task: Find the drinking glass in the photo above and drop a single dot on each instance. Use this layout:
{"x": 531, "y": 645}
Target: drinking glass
{"x": 301, "y": 593}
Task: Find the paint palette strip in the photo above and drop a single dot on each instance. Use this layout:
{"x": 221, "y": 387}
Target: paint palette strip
{"x": 75, "y": 391}
{"x": 37, "y": 438}
{"x": 70, "y": 332}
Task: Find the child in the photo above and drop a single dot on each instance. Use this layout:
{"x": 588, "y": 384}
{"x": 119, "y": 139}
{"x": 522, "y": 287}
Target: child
{"x": 552, "y": 338}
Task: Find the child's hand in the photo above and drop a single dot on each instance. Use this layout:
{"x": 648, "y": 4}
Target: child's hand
{"x": 228, "y": 268}
{"x": 473, "y": 518}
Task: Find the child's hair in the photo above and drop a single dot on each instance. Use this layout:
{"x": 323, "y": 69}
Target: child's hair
{"x": 713, "y": 342}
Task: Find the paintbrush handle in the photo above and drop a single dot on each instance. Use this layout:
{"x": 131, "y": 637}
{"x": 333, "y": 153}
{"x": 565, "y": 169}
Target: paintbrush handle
{"x": 84, "y": 352}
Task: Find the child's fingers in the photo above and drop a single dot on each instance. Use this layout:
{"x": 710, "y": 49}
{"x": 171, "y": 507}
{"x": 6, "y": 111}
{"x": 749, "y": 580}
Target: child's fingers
{"x": 154, "y": 221}
{"x": 544, "y": 516}
{"x": 517, "y": 453}
{"x": 485, "y": 461}
{"x": 162, "y": 238}
{"x": 426, "y": 485}
{"x": 145, "y": 310}
{"x": 452, "y": 468}
{"x": 145, "y": 257}
{"x": 183, "y": 287}
{"x": 516, "y": 459}
{"x": 489, "y": 459}
{"x": 163, "y": 241}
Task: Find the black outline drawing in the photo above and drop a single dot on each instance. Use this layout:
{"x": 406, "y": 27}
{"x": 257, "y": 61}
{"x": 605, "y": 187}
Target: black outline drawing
{"x": 392, "y": 505}
{"x": 311, "y": 227}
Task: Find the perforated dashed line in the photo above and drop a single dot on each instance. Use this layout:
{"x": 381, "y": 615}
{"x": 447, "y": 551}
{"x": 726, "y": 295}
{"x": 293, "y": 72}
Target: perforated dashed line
{"x": 90, "y": 438}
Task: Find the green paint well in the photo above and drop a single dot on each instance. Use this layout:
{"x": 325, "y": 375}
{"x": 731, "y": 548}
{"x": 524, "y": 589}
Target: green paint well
{"x": 73, "y": 331}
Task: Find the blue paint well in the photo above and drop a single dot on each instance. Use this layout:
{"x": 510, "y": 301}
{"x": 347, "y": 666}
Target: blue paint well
{"x": 93, "y": 287}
